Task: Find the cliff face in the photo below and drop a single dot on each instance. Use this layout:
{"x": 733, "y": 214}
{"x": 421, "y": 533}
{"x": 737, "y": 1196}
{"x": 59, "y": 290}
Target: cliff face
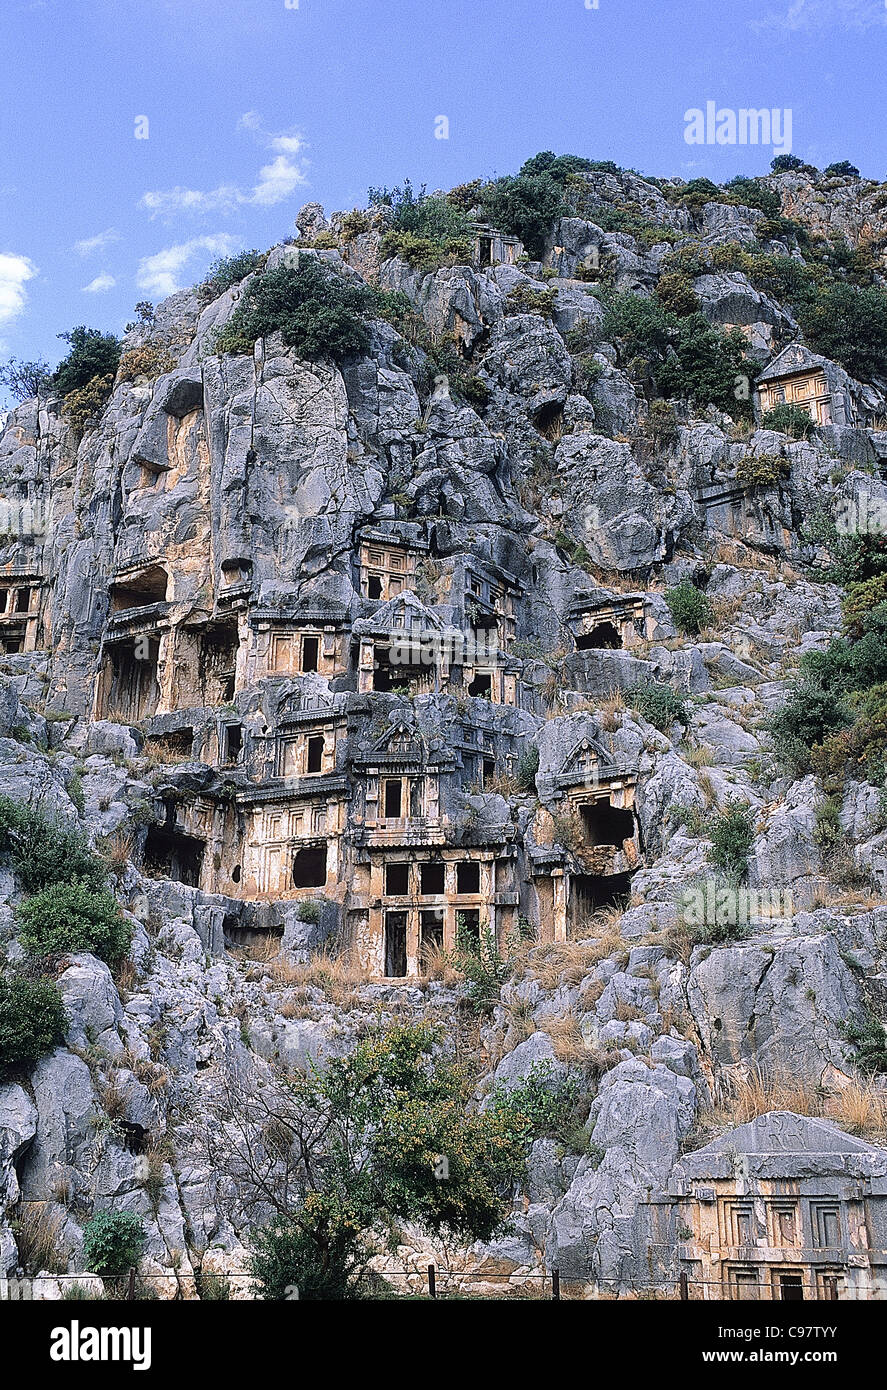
{"x": 289, "y": 635}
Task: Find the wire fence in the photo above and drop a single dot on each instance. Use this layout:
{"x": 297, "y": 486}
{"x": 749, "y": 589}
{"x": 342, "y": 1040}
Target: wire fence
{"x": 432, "y": 1281}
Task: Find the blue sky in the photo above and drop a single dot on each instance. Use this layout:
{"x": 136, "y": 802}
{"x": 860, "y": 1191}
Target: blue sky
{"x": 254, "y": 107}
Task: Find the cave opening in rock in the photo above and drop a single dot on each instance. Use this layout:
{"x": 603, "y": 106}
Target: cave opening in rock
{"x": 309, "y": 867}
{"x": 138, "y": 591}
{"x": 431, "y": 933}
{"x": 589, "y": 892}
{"x": 549, "y": 420}
{"x": 603, "y": 637}
{"x": 431, "y": 879}
{"x": 173, "y": 747}
{"x": 397, "y": 880}
{"x": 605, "y": 824}
{"x": 173, "y": 854}
{"x": 130, "y": 680}
{"x": 218, "y": 662}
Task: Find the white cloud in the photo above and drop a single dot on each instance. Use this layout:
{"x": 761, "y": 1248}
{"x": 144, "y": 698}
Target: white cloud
{"x": 15, "y": 271}
{"x": 277, "y": 181}
{"x": 159, "y": 274}
{"x": 100, "y": 283}
{"x": 96, "y": 243}
{"x": 166, "y": 202}
{"x": 805, "y": 16}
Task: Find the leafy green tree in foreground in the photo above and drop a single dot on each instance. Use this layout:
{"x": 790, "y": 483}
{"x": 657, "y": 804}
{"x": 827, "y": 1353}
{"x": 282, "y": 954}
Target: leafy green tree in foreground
{"x": 330, "y": 1162}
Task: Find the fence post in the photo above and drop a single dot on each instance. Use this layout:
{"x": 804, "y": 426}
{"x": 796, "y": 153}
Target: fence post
{"x": 432, "y": 1282}
{"x": 556, "y": 1285}
{"x": 131, "y": 1287}
{"x": 685, "y": 1287}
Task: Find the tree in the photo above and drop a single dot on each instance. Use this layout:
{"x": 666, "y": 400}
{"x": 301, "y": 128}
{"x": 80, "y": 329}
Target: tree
{"x": 24, "y": 380}
{"x": 316, "y": 312}
{"x": 91, "y": 354}
{"x": 70, "y": 917}
{"x": 330, "y": 1161}
{"x": 787, "y": 164}
{"x": 848, "y": 324}
{"x": 113, "y": 1242}
{"x": 32, "y": 1020}
{"x": 842, "y": 170}
{"x": 525, "y": 206}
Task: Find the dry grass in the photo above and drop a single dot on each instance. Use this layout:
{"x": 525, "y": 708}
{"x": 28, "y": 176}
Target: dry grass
{"x": 436, "y": 965}
{"x": 263, "y": 949}
{"x": 126, "y": 976}
{"x": 335, "y": 976}
{"x": 699, "y": 755}
{"x": 568, "y": 962}
{"x": 113, "y": 1100}
{"x": 860, "y": 1107}
{"x": 37, "y": 1228}
{"x": 566, "y": 1037}
{"x": 610, "y": 711}
{"x": 117, "y": 847}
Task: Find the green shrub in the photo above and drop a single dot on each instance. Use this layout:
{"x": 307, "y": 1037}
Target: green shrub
{"x": 870, "y": 1040}
{"x": 658, "y": 704}
{"x": 70, "y": 917}
{"x": 91, "y": 354}
{"x": 675, "y": 291}
{"x": 311, "y": 910}
{"x": 113, "y": 1242}
{"x": 526, "y": 767}
{"x": 687, "y": 357}
{"x": 317, "y": 312}
{"x": 732, "y": 835}
{"x": 754, "y": 194}
{"x": 525, "y": 206}
{"x": 804, "y": 720}
{"x": 842, "y": 170}
{"x": 84, "y": 406}
{"x": 789, "y": 419}
{"x": 44, "y": 850}
{"x": 424, "y": 231}
{"x": 482, "y": 964}
{"x": 789, "y": 164}
{"x": 689, "y": 607}
{"x": 860, "y": 601}
{"x": 847, "y": 323}
{"x": 543, "y": 1106}
{"x": 526, "y": 299}
{"x": 762, "y": 470}
{"x": 698, "y": 192}
{"x": 228, "y": 271}
{"x": 32, "y": 1020}
{"x": 285, "y": 1257}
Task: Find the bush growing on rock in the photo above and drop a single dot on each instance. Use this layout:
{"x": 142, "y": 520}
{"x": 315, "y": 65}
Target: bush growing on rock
{"x": 732, "y": 835}
{"x": 762, "y": 470}
{"x": 525, "y": 205}
{"x": 689, "y": 607}
{"x": 228, "y": 271}
{"x": 675, "y": 291}
{"x": 317, "y": 313}
{"x": 32, "y": 1020}
{"x": 658, "y": 704}
{"x": 113, "y": 1242}
{"x": 70, "y": 917}
{"x": 544, "y": 1106}
{"x": 45, "y": 850}
{"x": 789, "y": 419}
{"x": 91, "y": 354}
